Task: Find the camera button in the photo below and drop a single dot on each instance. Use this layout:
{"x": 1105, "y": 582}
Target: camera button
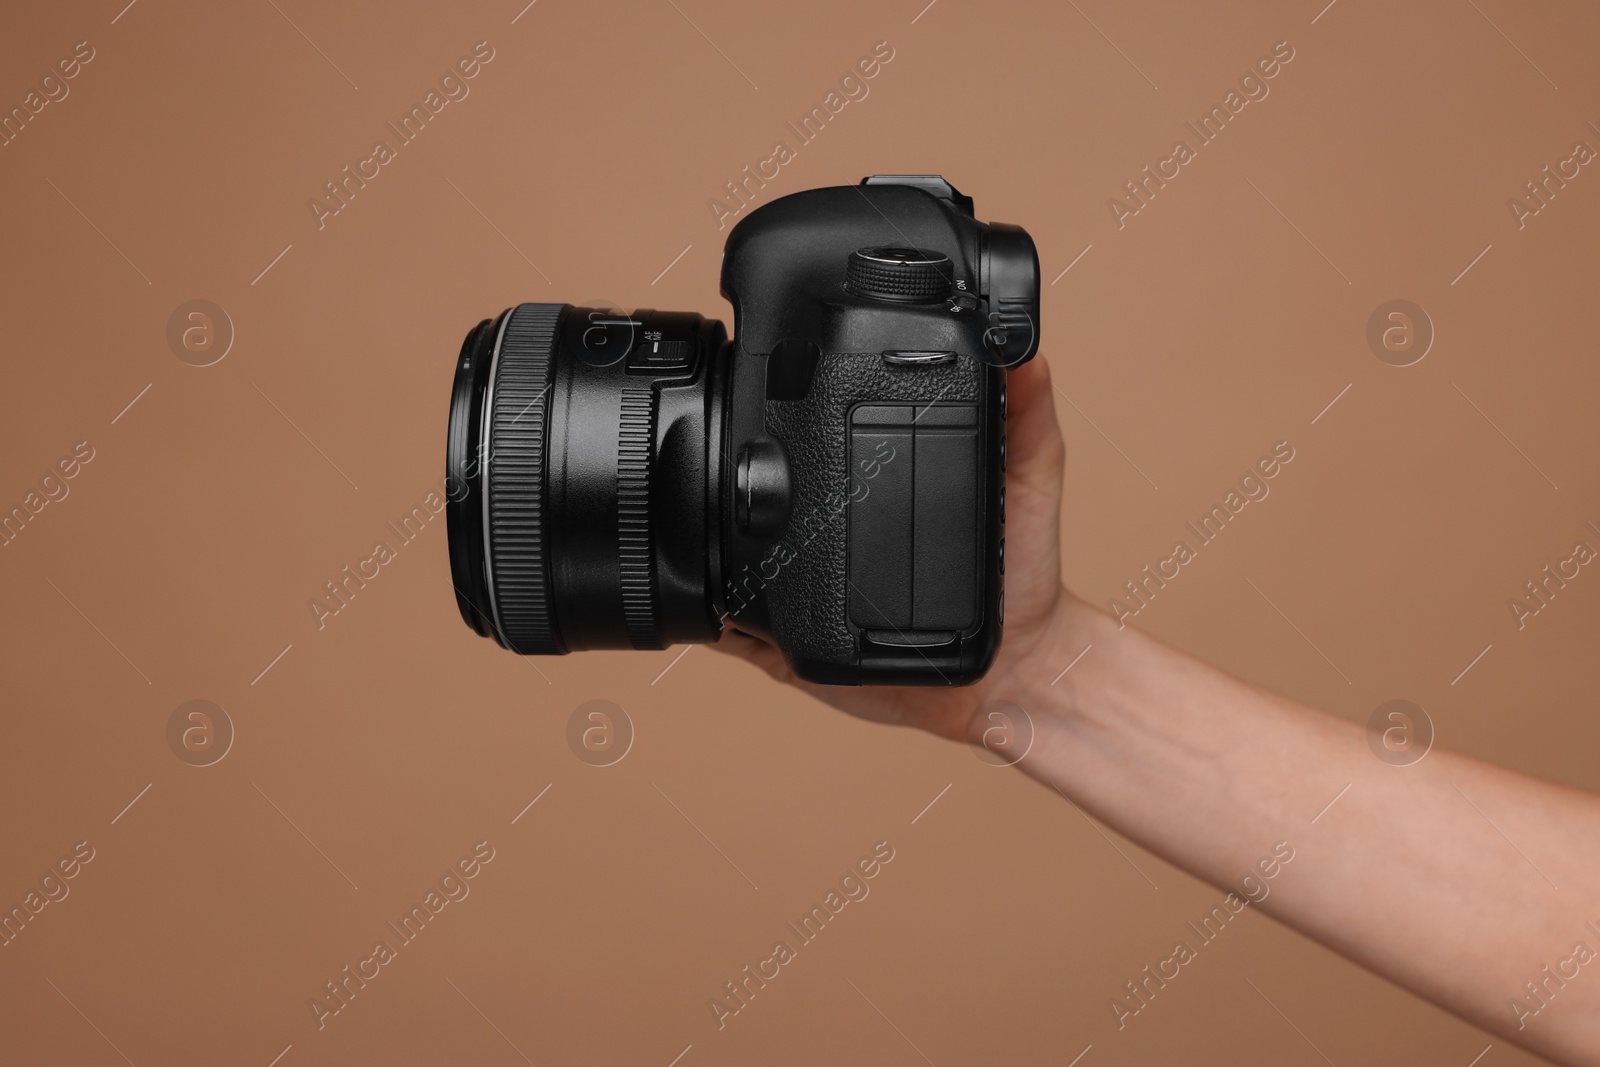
{"x": 963, "y": 301}
{"x": 653, "y": 355}
{"x": 918, "y": 359}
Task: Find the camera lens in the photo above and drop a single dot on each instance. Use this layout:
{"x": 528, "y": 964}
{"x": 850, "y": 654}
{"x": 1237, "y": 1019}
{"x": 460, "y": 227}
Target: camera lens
{"x": 583, "y": 467}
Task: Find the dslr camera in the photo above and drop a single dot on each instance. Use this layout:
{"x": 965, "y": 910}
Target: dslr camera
{"x": 830, "y": 479}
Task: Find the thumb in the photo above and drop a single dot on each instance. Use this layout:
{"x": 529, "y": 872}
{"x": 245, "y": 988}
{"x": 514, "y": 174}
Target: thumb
{"x": 1035, "y": 452}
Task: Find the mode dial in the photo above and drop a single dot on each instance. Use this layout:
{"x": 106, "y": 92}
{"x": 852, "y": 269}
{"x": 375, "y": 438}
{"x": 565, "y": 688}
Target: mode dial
{"x": 912, "y": 275}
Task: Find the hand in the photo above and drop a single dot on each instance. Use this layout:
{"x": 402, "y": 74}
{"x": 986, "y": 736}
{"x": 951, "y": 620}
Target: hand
{"x": 1034, "y": 596}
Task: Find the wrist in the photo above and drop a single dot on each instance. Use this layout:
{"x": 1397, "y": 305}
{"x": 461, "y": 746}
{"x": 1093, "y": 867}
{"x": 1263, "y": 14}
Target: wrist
{"x": 1037, "y": 672}
{"x": 1059, "y": 678}
{"x": 1065, "y": 643}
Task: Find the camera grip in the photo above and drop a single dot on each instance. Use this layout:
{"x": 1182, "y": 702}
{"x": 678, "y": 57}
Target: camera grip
{"x": 887, "y": 534}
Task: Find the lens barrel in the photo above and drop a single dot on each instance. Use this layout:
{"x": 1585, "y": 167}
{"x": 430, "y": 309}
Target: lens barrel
{"x": 584, "y": 464}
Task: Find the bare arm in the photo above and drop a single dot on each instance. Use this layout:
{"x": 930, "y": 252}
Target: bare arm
{"x": 1407, "y": 873}
{"x": 1472, "y": 886}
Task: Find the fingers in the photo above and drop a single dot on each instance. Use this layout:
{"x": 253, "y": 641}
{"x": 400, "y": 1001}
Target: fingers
{"x": 754, "y": 651}
{"x": 771, "y": 661}
{"x": 734, "y": 643}
{"x": 1034, "y": 448}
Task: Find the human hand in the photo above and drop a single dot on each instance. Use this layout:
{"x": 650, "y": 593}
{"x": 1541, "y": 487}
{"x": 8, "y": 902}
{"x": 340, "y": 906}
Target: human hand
{"x": 1034, "y": 595}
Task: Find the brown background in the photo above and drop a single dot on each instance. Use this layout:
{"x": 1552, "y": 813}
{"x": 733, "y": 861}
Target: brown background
{"x": 393, "y": 739}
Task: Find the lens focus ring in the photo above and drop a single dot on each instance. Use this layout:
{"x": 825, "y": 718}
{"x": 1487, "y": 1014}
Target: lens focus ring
{"x": 517, "y": 553}
{"x": 635, "y": 548}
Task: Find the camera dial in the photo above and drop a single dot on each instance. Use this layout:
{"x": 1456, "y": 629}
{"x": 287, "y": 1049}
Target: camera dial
{"x": 911, "y": 275}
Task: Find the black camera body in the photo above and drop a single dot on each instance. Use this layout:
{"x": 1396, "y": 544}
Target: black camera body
{"x": 831, "y": 480}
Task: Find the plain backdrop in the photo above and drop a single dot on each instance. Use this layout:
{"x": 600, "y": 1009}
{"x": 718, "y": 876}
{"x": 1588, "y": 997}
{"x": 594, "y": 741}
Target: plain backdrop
{"x": 374, "y": 751}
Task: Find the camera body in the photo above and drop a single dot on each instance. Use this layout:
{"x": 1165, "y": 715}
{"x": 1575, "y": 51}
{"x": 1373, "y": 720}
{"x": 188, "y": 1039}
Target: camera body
{"x": 880, "y": 387}
{"x": 831, "y": 480}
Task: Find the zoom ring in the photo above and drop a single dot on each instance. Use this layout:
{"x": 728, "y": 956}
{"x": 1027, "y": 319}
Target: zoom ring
{"x": 635, "y": 549}
{"x": 519, "y": 572}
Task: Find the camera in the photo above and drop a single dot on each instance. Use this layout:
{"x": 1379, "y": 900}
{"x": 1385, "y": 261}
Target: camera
{"x": 830, "y": 479}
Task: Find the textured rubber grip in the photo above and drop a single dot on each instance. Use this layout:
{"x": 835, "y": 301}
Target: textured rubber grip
{"x": 518, "y": 554}
{"x": 636, "y": 437}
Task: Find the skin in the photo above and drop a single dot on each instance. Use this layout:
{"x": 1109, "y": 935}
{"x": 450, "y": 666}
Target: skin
{"x": 1413, "y": 873}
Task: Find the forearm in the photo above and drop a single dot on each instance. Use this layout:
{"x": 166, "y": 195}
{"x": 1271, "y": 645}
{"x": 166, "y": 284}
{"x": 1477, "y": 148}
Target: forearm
{"x": 1405, "y": 874}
